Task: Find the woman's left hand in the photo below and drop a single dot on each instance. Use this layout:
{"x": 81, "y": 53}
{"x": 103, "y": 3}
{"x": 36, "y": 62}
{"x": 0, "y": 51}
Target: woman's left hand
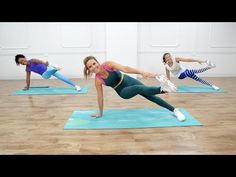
{"x": 25, "y": 88}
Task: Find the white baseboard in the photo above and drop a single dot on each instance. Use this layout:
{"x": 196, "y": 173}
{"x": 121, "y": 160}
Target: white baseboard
{"x": 38, "y": 77}
{"x": 82, "y": 77}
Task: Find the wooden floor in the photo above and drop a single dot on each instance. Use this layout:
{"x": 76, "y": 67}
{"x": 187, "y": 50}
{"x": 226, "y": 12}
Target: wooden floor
{"x": 34, "y": 124}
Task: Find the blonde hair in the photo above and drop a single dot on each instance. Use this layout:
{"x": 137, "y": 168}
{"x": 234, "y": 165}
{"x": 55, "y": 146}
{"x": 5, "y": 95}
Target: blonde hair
{"x": 87, "y": 73}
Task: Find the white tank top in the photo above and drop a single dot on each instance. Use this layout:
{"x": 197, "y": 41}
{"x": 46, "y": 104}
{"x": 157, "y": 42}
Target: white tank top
{"x": 176, "y": 69}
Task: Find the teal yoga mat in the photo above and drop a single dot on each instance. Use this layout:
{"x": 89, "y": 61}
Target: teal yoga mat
{"x": 40, "y": 87}
{"x": 51, "y": 91}
{"x": 128, "y": 118}
{"x": 197, "y": 89}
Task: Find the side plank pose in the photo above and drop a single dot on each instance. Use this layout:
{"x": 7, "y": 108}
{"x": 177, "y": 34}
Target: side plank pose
{"x": 108, "y": 73}
{"x": 43, "y": 68}
{"x": 173, "y": 65}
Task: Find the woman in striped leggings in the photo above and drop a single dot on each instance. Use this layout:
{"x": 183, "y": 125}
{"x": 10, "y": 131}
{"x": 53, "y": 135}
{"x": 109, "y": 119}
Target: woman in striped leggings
{"x": 174, "y": 66}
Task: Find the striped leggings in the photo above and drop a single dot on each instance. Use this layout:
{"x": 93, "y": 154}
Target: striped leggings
{"x": 192, "y": 74}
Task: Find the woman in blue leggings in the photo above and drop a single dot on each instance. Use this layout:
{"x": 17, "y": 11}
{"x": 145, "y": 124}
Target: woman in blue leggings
{"x": 43, "y": 68}
{"x": 126, "y": 87}
{"x": 174, "y": 66}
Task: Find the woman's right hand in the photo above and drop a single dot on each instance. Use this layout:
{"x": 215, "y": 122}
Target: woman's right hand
{"x": 96, "y": 115}
{"x": 47, "y": 63}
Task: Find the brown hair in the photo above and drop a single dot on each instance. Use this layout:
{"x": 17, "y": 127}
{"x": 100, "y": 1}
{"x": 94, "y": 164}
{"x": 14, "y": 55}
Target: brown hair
{"x": 164, "y": 60}
{"x": 87, "y": 73}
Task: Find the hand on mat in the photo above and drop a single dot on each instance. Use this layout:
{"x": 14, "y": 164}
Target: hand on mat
{"x": 148, "y": 75}
{"x": 25, "y": 88}
{"x": 97, "y": 115}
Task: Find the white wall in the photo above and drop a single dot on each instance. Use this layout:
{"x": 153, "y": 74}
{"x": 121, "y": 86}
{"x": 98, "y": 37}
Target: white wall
{"x": 65, "y": 44}
{"x": 214, "y": 41}
{"x": 138, "y": 45}
{"x": 121, "y": 43}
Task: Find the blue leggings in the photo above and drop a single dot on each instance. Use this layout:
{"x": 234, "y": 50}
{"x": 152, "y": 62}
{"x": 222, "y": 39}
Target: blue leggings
{"x": 131, "y": 87}
{"x": 53, "y": 72}
{"x": 192, "y": 74}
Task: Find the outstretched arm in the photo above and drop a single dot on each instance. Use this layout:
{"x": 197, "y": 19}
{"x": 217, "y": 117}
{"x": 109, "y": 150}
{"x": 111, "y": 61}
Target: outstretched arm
{"x": 99, "y": 89}
{"x": 40, "y": 61}
{"x": 130, "y": 70}
{"x": 178, "y": 59}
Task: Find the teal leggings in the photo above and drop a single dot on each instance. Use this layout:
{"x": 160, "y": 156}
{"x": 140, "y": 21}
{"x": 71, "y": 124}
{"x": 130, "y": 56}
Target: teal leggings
{"x": 53, "y": 72}
{"x": 131, "y": 87}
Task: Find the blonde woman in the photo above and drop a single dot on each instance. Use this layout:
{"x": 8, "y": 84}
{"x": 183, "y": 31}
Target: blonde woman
{"x": 109, "y": 74}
